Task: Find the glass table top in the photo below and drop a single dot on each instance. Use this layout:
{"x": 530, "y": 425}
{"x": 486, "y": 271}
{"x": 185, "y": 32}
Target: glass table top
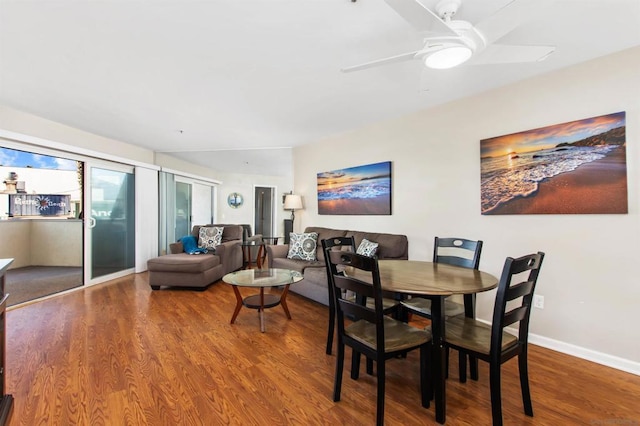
{"x": 262, "y": 277}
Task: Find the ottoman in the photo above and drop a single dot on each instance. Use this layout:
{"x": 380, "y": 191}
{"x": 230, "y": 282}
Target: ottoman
{"x": 184, "y": 270}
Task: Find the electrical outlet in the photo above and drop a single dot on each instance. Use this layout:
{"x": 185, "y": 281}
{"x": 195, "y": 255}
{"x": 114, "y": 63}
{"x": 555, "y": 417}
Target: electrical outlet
{"x": 538, "y": 301}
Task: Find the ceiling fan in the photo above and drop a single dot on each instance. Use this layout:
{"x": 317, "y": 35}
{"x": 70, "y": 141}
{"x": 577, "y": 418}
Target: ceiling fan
{"x": 449, "y": 43}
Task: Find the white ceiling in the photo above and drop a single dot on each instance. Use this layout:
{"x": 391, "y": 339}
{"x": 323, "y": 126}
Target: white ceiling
{"x": 237, "y": 83}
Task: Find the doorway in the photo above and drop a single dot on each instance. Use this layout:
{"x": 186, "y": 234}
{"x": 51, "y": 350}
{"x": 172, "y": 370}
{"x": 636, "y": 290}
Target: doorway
{"x": 264, "y": 214}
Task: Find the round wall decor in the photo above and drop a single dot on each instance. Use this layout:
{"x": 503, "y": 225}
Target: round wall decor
{"x": 235, "y": 200}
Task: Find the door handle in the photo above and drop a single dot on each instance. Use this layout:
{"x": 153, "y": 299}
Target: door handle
{"x": 92, "y": 222}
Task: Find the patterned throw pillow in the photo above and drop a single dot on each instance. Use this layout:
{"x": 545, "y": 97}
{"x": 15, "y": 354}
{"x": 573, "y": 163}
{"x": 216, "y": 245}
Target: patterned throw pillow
{"x": 367, "y": 248}
{"x": 210, "y": 236}
{"x": 303, "y": 246}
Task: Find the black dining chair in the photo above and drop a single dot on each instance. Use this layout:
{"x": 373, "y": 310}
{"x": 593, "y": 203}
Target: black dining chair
{"x": 491, "y": 343}
{"x": 374, "y": 334}
{"x": 390, "y": 305}
{"x": 458, "y": 252}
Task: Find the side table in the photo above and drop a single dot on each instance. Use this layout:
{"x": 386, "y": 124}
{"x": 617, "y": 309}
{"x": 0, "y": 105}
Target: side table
{"x": 246, "y": 253}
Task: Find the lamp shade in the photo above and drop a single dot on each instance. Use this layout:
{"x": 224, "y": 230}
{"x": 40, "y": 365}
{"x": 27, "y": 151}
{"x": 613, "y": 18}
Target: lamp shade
{"x": 292, "y": 202}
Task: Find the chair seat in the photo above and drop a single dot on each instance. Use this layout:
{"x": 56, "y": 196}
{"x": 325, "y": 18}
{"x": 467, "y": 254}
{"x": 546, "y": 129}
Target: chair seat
{"x": 398, "y": 335}
{"x": 474, "y": 335}
{"x": 423, "y": 306}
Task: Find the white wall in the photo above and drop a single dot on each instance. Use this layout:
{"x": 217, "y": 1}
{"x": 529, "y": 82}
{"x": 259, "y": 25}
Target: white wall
{"x": 235, "y": 182}
{"x": 27, "y": 124}
{"x": 589, "y": 280}
{"x": 245, "y": 185}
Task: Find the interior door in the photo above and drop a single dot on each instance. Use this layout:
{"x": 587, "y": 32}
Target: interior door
{"x": 109, "y": 221}
{"x": 263, "y": 223}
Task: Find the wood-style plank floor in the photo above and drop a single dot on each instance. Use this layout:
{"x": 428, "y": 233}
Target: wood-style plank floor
{"x": 121, "y": 354}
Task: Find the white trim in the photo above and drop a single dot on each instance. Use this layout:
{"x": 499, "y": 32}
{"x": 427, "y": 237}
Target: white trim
{"x": 44, "y": 143}
{"x": 109, "y": 277}
{"x": 602, "y": 358}
{"x": 192, "y": 176}
{"x": 613, "y": 361}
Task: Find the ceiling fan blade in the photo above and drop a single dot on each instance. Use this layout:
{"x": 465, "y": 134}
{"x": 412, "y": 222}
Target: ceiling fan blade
{"x": 506, "y": 54}
{"x": 420, "y": 17}
{"x": 511, "y": 16}
{"x": 398, "y": 58}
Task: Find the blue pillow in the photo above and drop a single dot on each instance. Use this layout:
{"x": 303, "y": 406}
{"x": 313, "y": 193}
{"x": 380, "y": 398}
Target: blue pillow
{"x": 190, "y": 245}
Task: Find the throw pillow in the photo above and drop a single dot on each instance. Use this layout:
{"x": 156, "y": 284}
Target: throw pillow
{"x": 303, "y": 246}
{"x": 210, "y": 236}
{"x": 367, "y": 248}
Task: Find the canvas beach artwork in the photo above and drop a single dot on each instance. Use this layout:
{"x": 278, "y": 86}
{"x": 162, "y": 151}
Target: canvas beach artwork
{"x": 577, "y": 167}
{"x": 362, "y": 190}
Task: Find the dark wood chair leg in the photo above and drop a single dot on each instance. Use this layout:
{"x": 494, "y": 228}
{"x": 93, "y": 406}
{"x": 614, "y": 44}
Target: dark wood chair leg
{"x": 462, "y": 366}
{"x": 426, "y": 390}
{"x": 332, "y": 321}
{"x": 369, "y": 366}
{"x": 380, "y": 398}
{"x": 446, "y": 363}
{"x": 496, "y": 401}
{"x": 337, "y": 383}
{"x": 473, "y": 367}
{"x": 524, "y": 382}
{"x": 355, "y": 365}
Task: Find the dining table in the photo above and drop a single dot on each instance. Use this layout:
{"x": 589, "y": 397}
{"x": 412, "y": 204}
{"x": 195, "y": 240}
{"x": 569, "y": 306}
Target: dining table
{"x": 434, "y": 281}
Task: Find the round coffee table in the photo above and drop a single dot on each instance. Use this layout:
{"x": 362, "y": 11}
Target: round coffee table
{"x": 261, "y": 278}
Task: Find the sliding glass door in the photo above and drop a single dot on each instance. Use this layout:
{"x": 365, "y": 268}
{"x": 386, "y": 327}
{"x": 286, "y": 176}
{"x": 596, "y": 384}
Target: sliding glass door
{"x": 109, "y": 222}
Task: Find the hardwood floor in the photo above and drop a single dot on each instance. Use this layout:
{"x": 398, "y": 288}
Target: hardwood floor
{"x": 118, "y": 354}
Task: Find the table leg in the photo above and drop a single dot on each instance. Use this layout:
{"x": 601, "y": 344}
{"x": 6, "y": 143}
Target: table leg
{"x": 439, "y": 355}
{"x": 238, "y": 304}
{"x": 261, "y": 310}
{"x": 470, "y": 312}
{"x": 259, "y": 256}
{"x": 283, "y": 301}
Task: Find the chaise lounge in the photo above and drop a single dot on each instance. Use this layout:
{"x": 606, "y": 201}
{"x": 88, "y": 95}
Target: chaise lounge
{"x": 181, "y": 269}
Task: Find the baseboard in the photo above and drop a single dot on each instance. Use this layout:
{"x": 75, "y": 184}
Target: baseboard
{"x": 612, "y": 361}
{"x": 588, "y": 354}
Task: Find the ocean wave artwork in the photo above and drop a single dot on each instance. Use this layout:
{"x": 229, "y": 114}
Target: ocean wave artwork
{"x": 355, "y": 190}
{"x": 513, "y": 167}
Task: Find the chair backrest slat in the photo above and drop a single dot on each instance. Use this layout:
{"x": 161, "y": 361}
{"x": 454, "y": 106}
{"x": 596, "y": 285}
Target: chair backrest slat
{"x": 445, "y": 249}
{"x": 331, "y": 244}
{"x": 507, "y": 291}
{"x": 341, "y": 283}
{"x": 514, "y": 315}
{"x": 519, "y": 290}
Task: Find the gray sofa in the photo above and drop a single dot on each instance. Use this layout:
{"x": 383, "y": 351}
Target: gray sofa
{"x": 314, "y": 285}
{"x": 180, "y": 269}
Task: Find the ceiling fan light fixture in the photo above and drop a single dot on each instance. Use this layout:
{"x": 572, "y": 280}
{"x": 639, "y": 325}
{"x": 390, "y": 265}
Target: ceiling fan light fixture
{"x": 448, "y": 57}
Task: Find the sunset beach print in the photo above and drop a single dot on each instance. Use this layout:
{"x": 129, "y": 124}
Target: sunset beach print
{"x": 362, "y": 190}
{"x": 571, "y": 168}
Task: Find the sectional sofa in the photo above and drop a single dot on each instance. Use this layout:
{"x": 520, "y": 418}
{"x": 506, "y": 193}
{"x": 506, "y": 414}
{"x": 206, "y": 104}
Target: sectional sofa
{"x": 314, "y": 285}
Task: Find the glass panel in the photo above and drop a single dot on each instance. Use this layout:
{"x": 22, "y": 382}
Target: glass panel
{"x": 183, "y": 209}
{"x": 113, "y": 209}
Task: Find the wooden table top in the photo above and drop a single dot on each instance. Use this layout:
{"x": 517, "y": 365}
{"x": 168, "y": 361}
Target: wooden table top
{"x": 428, "y": 278}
